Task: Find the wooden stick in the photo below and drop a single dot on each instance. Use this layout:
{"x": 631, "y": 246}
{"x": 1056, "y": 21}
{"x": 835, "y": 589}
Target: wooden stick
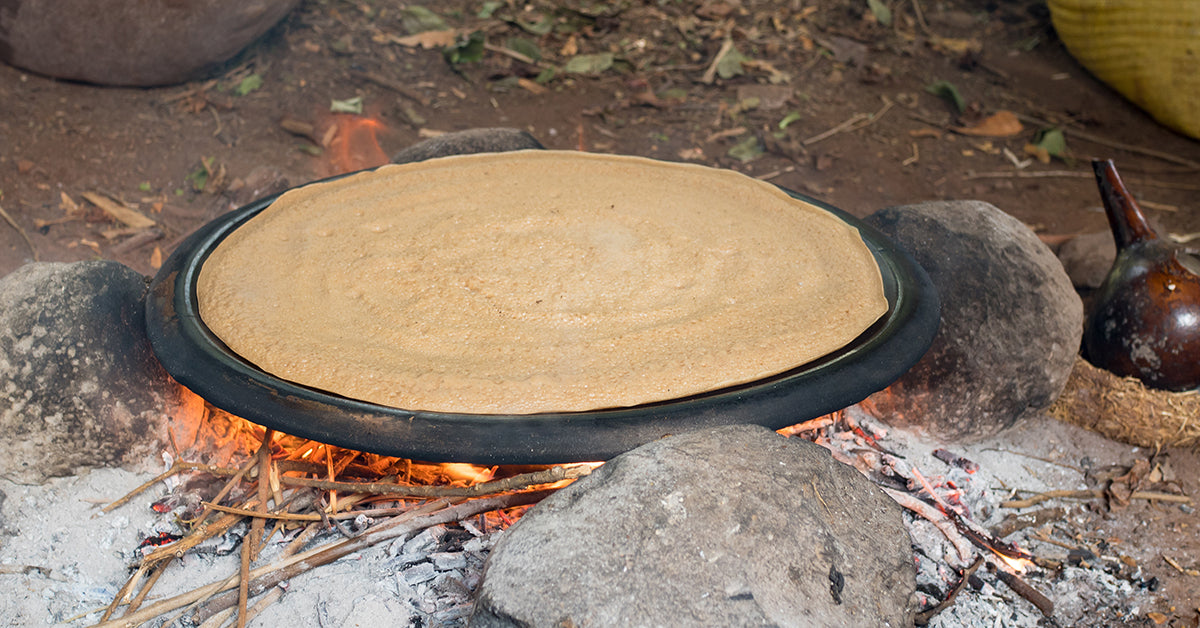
{"x": 21, "y": 232}
{"x": 243, "y": 592}
{"x": 264, "y": 493}
{"x": 1015, "y": 583}
{"x": 1090, "y": 494}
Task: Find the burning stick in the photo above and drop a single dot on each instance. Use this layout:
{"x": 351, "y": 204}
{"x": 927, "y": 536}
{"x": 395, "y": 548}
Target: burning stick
{"x": 936, "y": 518}
{"x": 1015, "y": 583}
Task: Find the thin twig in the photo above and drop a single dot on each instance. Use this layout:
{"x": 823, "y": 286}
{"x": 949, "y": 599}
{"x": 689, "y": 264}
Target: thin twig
{"x": 1091, "y": 494}
{"x": 1096, "y": 139}
{"x": 856, "y": 122}
{"x": 21, "y": 231}
{"x": 264, "y": 492}
{"x": 710, "y": 74}
{"x": 1071, "y": 174}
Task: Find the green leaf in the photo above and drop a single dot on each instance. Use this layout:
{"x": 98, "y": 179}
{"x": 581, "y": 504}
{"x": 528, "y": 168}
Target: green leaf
{"x": 589, "y": 64}
{"x": 467, "y": 49}
{"x": 144, "y": 186}
{"x": 419, "y": 19}
{"x": 730, "y": 64}
{"x": 488, "y": 9}
{"x": 248, "y": 84}
{"x": 748, "y": 149}
{"x": 198, "y": 178}
{"x": 787, "y": 120}
{"x": 883, "y": 14}
{"x": 1053, "y": 142}
{"x": 546, "y": 75}
{"x": 349, "y": 105}
{"x": 947, "y": 91}
{"x": 524, "y": 46}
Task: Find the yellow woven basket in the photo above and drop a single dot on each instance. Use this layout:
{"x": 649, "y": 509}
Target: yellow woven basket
{"x": 1149, "y": 50}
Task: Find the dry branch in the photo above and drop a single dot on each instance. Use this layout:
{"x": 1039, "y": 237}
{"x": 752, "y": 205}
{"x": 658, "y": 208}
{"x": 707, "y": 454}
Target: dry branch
{"x": 21, "y": 232}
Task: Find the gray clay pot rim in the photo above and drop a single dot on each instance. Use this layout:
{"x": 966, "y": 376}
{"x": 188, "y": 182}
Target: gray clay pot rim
{"x": 197, "y": 359}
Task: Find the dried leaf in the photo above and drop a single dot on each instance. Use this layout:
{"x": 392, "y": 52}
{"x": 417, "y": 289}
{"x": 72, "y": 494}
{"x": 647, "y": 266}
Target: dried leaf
{"x": 118, "y": 211}
{"x": 156, "y": 258}
{"x": 999, "y": 124}
{"x": 531, "y": 86}
{"x": 946, "y": 90}
{"x": 68, "y": 205}
{"x": 467, "y": 49}
{"x": 1053, "y": 142}
{"x": 428, "y": 39}
{"x": 417, "y": 19}
{"x": 525, "y": 47}
{"x": 882, "y": 13}
{"x": 748, "y": 149}
{"x": 730, "y": 64}
{"x": 589, "y": 64}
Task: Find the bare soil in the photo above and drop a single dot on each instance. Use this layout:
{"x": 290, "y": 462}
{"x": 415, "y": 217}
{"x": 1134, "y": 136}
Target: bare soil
{"x": 183, "y": 154}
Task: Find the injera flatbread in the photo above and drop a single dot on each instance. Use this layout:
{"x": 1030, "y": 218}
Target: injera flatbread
{"x": 537, "y": 281}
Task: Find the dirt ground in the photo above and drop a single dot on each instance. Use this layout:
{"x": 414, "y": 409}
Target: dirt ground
{"x": 827, "y": 100}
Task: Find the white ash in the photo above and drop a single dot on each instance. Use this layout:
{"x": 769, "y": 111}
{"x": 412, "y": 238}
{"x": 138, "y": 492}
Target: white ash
{"x": 1082, "y": 596}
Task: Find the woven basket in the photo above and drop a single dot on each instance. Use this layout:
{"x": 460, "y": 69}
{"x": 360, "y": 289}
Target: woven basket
{"x": 1148, "y": 50}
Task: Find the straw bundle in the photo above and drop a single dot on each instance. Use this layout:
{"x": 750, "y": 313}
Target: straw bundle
{"x": 1148, "y": 50}
{"x": 1123, "y": 409}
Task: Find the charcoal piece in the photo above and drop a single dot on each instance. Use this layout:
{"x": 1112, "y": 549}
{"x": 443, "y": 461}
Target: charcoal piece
{"x": 468, "y": 142}
{"x": 731, "y": 526}
{"x": 79, "y": 384}
{"x": 131, "y": 42}
{"x": 1011, "y": 322}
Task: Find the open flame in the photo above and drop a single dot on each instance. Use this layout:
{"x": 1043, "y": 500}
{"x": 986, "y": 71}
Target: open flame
{"x": 352, "y": 143}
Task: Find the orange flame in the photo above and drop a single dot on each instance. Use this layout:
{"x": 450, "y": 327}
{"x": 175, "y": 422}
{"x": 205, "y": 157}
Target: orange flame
{"x": 353, "y": 144}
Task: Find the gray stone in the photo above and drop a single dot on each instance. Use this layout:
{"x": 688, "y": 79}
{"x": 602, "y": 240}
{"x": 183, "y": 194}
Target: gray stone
{"x": 468, "y": 142}
{"x": 1010, "y": 328}
{"x": 1088, "y": 258}
{"x": 79, "y": 384}
{"x": 131, "y": 42}
{"x": 732, "y": 526}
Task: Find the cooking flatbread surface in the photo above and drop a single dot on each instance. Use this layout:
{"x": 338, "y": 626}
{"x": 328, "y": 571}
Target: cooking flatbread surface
{"x": 537, "y": 281}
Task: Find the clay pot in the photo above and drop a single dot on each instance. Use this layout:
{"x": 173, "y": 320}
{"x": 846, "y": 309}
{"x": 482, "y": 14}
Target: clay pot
{"x": 131, "y": 42}
{"x": 1145, "y": 320}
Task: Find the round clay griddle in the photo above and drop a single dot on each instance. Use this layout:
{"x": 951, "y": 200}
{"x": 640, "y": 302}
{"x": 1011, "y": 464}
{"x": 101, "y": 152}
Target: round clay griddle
{"x": 196, "y": 358}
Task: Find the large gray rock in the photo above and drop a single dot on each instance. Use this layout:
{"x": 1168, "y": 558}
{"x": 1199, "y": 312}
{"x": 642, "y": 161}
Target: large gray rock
{"x": 131, "y": 42}
{"x": 79, "y": 385}
{"x": 732, "y": 526}
{"x": 468, "y": 142}
{"x": 1010, "y": 328}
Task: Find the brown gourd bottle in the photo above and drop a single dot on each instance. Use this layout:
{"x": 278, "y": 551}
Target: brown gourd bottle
{"x": 1145, "y": 320}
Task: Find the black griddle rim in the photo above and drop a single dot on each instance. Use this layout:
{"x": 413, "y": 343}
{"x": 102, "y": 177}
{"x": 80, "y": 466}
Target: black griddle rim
{"x": 198, "y": 360}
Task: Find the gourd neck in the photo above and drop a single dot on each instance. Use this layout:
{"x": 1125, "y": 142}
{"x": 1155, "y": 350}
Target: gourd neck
{"x": 1128, "y": 223}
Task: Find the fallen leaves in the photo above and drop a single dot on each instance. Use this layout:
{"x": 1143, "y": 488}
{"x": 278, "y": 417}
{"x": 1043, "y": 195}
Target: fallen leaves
{"x": 1000, "y": 124}
{"x": 119, "y": 211}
